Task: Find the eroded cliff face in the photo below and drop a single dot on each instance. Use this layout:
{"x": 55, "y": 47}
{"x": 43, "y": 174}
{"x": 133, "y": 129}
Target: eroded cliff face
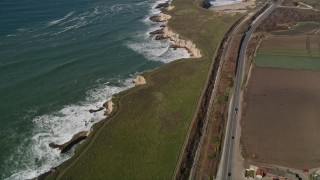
{"x": 166, "y": 33}
{"x": 178, "y": 42}
{"x": 160, "y": 18}
{"x": 139, "y": 80}
{"x": 109, "y": 107}
{"x": 170, "y": 7}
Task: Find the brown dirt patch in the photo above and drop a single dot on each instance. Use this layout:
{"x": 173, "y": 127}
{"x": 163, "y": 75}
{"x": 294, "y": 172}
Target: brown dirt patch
{"x": 299, "y": 42}
{"x": 281, "y": 117}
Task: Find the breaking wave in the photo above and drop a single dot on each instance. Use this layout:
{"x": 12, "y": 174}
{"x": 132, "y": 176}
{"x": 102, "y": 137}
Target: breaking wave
{"x": 59, "y": 127}
{"x": 152, "y": 49}
{"x": 33, "y": 156}
{"x": 54, "y": 22}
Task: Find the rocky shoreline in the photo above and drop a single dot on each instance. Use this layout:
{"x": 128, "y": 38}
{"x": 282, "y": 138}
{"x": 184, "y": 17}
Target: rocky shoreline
{"x": 162, "y": 33}
{"x": 80, "y": 136}
{"x": 165, "y": 33}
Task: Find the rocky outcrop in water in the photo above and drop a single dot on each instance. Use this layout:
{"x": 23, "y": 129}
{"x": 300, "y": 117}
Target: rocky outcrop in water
{"x": 96, "y": 110}
{"x": 164, "y": 6}
{"x": 74, "y": 140}
{"x": 159, "y": 31}
{"x": 160, "y": 18}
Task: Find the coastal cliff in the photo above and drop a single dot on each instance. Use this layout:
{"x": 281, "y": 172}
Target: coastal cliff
{"x": 160, "y": 18}
{"x": 178, "y": 42}
{"x": 151, "y": 123}
{"x": 109, "y": 107}
{"x": 139, "y": 80}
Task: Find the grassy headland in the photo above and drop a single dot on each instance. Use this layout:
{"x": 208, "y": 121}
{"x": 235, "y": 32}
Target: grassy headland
{"x": 143, "y": 138}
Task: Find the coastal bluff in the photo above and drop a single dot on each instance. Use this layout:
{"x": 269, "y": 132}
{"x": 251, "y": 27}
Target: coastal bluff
{"x": 109, "y": 107}
{"x": 166, "y": 33}
{"x": 139, "y": 80}
{"x": 190, "y": 46}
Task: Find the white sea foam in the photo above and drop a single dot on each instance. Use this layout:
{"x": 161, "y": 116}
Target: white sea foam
{"x": 22, "y": 29}
{"x": 152, "y": 49}
{"x": 59, "y": 127}
{"x": 57, "y": 21}
{"x": 224, "y": 2}
{"x": 73, "y": 20}
{"x": 76, "y": 22}
{"x": 157, "y": 50}
{"x": 12, "y": 35}
{"x": 35, "y": 155}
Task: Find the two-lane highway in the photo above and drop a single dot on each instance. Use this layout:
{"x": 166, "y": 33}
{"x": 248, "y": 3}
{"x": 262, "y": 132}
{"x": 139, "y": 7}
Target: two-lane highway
{"x": 228, "y": 148}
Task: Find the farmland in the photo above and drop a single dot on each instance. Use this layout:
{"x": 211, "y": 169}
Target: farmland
{"x": 293, "y": 52}
{"x": 280, "y": 117}
{"x": 300, "y": 28}
{"x": 280, "y": 122}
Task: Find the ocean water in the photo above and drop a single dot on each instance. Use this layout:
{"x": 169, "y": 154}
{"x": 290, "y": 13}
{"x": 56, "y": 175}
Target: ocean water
{"x": 60, "y": 58}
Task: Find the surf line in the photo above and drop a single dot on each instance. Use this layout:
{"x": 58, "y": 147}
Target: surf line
{"x": 165, "y": 33}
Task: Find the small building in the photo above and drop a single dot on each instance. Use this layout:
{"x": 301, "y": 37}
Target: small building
{"x": 259, "y": 173}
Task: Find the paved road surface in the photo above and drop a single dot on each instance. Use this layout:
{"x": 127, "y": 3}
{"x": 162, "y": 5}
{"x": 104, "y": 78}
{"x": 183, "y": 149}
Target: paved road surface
{"x": 228, "y": 150}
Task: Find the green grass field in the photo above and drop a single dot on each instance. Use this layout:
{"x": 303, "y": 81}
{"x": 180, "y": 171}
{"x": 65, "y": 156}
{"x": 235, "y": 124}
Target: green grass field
{"x": 145, "y": 135}
{"x": 287, "y": 61}
{"x": 293, "y": 52}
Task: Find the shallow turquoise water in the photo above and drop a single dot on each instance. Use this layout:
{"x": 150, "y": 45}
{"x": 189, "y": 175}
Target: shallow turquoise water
{"x": 60, "y": 58}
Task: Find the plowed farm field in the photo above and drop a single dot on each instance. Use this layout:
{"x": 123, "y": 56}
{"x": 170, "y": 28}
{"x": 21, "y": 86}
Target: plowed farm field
{"x": 281, "y": 117}
{"x": 281, "y": 104}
